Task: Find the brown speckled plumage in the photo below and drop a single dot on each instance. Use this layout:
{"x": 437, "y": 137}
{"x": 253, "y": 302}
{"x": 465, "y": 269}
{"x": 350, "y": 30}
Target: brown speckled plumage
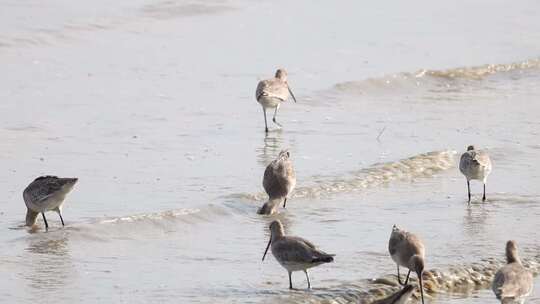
{"x": 294, "y": 253}
{"x": 279, "y": 177}
{"x": 44, "y": 194}
{"x": 513, "y": 282}
{"x": 270, "y": 93}
{"x": 475, "y": 164}
{"x": 407, "y": 250}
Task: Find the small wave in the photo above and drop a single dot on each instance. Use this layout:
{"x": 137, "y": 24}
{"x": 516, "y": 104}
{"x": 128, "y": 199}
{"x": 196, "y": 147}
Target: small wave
{"x": 158, "y": 216}
{"x": 422, "y": 165}
{"x": 172, "y": 9}
{"x": 480, "y": 72}
{"x": 457, "y": 279}
{"x": 449, "y": 79}
{"x": 72, "y": 30}
{"x": 123, "y": 227}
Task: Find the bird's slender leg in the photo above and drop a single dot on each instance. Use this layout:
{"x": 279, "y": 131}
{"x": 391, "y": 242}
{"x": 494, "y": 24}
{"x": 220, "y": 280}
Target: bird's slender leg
{"x": 45, "y": 220}
{"x": 265, "y": 124}
{"x": 407, "y": 279}
{"x": 484, "y": 197}
{"x": 469, "y": 190}
{"x": 421, "y": 288}
{"x": 307, "y": 277}
{"x": 59, "y": 211}
{"x": 61, "y": 219}
{"x": 290, "y": 280}
{"x": 284, "y": 202}
{"x": 398, "y": 276}
{"x": 275, "y": 114}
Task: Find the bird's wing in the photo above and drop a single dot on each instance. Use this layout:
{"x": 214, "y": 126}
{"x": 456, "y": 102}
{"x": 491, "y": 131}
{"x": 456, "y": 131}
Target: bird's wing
{"x": 291, "y": 250}
{"x": 271, "y": 182}
{"x": 298, "y": 250}
{"x": 272, "y": 88}
{"x": 416, "y": 245}
{"x": 393, "y": 243}
{"x": 498, "y": 282}
{"x": 306, "y": 242}
{"x": 41, "y": 189}
{"x": 512, "y": 281}
{"x": 465, "y": 161}
{"x": 260, "y": 89}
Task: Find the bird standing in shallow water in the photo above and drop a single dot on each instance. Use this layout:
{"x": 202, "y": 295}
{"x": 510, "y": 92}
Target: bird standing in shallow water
{"x": 513, "y": 282}
{"x": 407, "y": 250}
{"x": 475, "y": 164}
{"x": 279, "y": 178}
{"x": 46, "y": 193}
{"x": 294, "y": 253}
{"x": 271, "y": 93}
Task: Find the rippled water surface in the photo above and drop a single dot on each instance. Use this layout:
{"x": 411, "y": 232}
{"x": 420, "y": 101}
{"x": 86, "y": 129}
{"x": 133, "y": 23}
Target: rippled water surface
{"x": 150, "y": 104}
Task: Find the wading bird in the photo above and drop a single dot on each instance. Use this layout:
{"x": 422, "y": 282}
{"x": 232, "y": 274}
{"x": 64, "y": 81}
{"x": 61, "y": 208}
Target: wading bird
{"x": 46, "y": 193}
{"x": 407, "y": 250}
{"x": 272, "y": 92}
{"x": 475, "y": 164}
{"x": 513, "y": 282}
{"x": 294, "y": 253}
{"x": 279, "y": 179}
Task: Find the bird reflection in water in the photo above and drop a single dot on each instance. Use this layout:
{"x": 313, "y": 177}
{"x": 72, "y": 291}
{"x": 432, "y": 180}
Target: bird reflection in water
{"x": 49, "y": 264}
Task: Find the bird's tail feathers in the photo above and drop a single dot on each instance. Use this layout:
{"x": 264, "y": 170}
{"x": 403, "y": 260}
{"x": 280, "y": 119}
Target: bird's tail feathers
{"x": 324, "y": 259}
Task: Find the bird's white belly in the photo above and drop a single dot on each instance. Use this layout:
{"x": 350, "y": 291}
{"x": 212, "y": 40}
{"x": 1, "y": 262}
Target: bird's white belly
{"x": 397, "y": 260}
{"x": 478, "y": 173}
{"x": 297, "y": 266}
{"x": 269, "y": 102}
{"x": 50, "y": 203}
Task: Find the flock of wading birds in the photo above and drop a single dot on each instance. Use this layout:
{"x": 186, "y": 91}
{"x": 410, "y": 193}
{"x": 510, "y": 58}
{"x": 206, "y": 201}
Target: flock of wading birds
{"x": 511, "y": 283}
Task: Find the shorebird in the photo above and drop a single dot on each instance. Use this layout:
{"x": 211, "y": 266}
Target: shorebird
{"x": 400, "y": 297}
{"x": 269, "y": 207}
{"x": 475, "y": 164}
{"x": 407, "y": 250}
{"x": 46, "y": 193}
{"x": 513, "y": 282}
{"x": 272, "y": 92}
{"x": 279, "y": 177}
{"x": 294, "y": 253}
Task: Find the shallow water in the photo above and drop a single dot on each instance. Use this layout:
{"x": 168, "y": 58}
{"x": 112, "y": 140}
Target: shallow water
{"x": 151, "y": 105}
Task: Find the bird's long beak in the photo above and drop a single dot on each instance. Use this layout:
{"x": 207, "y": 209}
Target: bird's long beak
{"x": 292, "y": 95}
{"x": 421, "y": 288}
{"x": 267, "y": 246}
